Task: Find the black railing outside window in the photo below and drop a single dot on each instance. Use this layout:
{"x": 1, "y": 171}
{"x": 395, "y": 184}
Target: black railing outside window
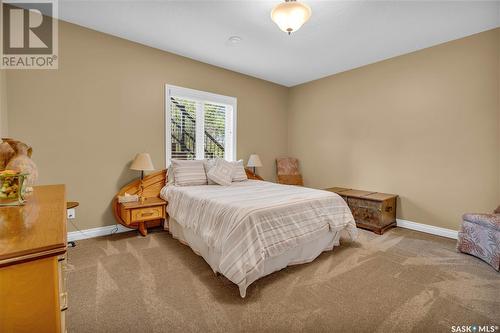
{"x": 183, "y": 129}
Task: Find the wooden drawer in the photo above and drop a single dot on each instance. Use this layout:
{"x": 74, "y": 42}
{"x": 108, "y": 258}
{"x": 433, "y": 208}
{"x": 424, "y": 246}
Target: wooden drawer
{"x": 145, "y": 214}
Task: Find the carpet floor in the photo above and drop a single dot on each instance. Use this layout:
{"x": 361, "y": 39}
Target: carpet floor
{"x": 403, "y": 281}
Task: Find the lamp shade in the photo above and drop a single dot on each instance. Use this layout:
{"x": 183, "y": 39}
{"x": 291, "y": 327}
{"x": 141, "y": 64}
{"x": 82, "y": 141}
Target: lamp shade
{"x": 142, "y": 162}
{"x": 254, "y": 161}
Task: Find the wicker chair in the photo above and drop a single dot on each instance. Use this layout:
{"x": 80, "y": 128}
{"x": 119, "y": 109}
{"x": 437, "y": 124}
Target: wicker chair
{"x": 479, "y": 236}
{"x": 287, "y": 170}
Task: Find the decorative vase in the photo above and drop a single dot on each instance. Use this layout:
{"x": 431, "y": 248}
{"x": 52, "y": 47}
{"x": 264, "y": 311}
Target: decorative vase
{"x": 6, "y": 153}
{"x": 23, "y": 164}
{"x": 18, "y": 145}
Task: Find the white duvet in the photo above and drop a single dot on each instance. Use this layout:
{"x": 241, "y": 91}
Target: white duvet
{"x": 252, "y": 220}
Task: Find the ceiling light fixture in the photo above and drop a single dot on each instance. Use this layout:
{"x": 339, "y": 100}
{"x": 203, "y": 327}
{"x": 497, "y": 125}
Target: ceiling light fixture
{"x": 290, "y": 15}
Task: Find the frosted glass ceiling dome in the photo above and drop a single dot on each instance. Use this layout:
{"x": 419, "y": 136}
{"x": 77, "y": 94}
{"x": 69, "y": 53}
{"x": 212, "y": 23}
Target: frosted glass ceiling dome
{"x": 290, "y": 15}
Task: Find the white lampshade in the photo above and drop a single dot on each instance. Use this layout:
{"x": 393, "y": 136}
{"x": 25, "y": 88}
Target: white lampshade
{"x": 254, "y": 161}
{"x": 142, "y": 162}
{"x": 291, "y": 15}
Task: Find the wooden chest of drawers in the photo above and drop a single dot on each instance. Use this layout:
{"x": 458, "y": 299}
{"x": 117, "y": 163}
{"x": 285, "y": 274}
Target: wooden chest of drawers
{"x": 33, "y": 295}
{"x": 371, "y": 210}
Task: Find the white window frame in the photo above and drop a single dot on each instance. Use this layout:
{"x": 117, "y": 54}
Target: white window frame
{"x": 171, "y": 90}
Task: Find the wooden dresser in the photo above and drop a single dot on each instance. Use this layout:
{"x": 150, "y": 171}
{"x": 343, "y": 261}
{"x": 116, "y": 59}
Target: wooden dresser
{"x": 33, "y": 294}
{"x": 371, "y": 210}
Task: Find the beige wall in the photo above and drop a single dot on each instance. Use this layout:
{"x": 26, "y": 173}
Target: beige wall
{"x": 424, "y": 125}
{"x": 87, "y": 120}
{"x": 3, "y": 104}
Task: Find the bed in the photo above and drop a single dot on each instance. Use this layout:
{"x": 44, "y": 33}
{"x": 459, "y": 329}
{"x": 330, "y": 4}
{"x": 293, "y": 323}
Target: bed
{"x": 253, "y": 228}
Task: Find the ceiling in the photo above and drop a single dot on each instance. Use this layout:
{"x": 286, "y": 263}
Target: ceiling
{"x": 340, "y": 35}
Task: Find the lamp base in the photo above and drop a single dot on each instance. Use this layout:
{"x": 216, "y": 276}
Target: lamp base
{"x": 141, "y": 190}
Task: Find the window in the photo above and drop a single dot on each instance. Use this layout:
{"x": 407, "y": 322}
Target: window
{"x": 199, "y": 125}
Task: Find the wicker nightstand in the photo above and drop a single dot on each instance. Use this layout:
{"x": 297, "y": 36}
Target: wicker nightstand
{"x": 137, "y": 213}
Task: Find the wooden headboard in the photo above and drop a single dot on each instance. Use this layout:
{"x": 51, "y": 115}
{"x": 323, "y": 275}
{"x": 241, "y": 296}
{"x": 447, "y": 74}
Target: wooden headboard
{"x": 153, "y": 183}
{"x": 252, "y": 175}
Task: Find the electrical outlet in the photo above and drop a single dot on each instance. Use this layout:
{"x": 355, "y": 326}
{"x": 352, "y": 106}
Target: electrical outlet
{"x": 71, "y": 213}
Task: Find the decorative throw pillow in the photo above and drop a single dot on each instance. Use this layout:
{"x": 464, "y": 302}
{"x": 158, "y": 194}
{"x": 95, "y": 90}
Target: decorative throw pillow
{"x": 209, "y": 164}
{"x": 189, "y": 172}
{"x": 239, "y": 173}
{"x": 222, "y": 172}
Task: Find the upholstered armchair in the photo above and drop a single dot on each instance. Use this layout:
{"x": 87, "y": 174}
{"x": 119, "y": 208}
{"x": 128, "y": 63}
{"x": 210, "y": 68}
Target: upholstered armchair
{"x": 479, "y": 236}
{"x": 287, "y": 170}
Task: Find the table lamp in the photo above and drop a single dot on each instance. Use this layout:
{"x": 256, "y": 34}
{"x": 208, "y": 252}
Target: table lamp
{"x": 254, "y": 162}
{"x": 142, "y": 162}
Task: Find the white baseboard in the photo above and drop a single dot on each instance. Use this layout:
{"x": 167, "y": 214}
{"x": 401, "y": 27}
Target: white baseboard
{"x": 118, "y": 228}
{"x": 438, "y": 231}
{"x": 96, "y": 232}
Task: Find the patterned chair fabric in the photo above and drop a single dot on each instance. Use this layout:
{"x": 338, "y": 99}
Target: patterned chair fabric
{"x": 287, "y": 166}
{"x": 287, "y": 169}
{"x": 480, "y": 237}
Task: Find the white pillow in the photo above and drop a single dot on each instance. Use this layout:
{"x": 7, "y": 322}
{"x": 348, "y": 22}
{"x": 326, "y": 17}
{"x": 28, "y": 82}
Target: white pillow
{"x": 209, "y": 164}
{"x": 189, "y": 172}
{"x": 170, "y": 175}
{"x": 222, "y": 172}
{"x": 239, "y": 173}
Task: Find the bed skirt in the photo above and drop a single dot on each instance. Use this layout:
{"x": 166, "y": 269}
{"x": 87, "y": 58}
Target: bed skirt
{"x": 298, "y": 255}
